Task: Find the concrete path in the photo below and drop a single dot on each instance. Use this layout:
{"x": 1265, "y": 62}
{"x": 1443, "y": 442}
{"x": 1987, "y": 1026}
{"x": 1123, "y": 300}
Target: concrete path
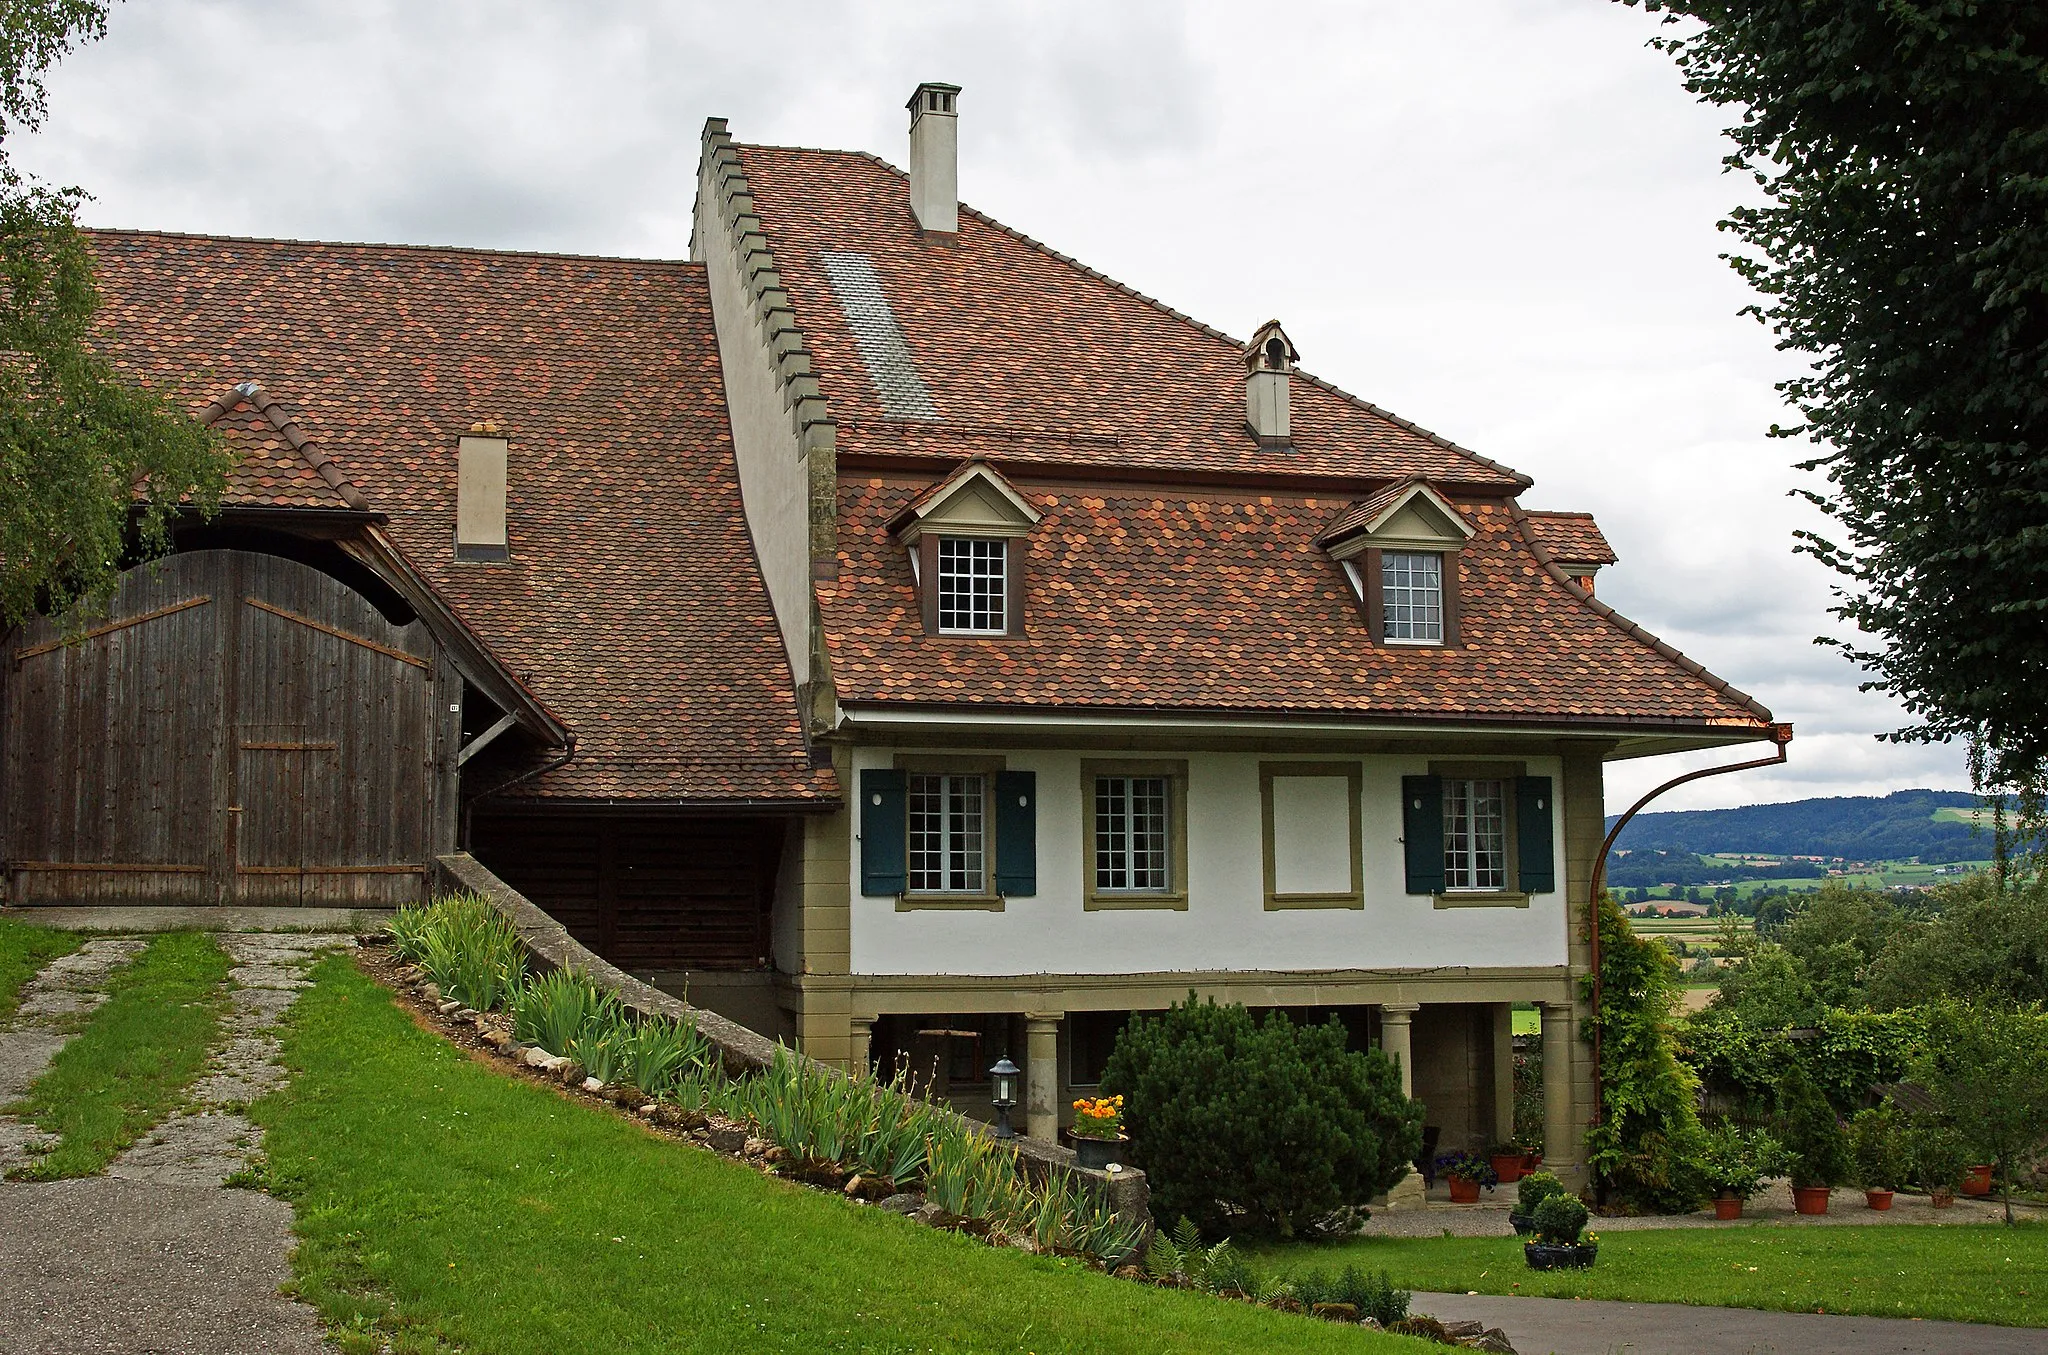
{"x": 156, "y": 1256}
{"x": 1595, "y": 1327}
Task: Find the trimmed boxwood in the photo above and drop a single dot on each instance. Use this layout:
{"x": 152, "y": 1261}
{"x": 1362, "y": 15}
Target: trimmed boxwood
{"x": 1256, "y": 1126}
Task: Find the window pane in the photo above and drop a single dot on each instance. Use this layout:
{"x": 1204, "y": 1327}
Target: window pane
{"x": 972, "y": 589}
{"x": 946, "y": 841}
{"x": 1475, "y": 835}
{"x": 1411, "y": 591}
{"x": 1131, "y": 833}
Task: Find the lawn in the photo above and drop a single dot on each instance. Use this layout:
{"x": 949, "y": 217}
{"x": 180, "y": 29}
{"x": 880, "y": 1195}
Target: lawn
{"x": 129, "y": 1067}
{"x": 24, "y": 950}
{"x": 442, "y": 1202}
{"x": 1969, "y": 1273}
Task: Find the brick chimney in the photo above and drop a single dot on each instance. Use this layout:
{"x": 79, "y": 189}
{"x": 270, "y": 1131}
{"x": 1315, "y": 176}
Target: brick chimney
{"x": 935, "y": 157}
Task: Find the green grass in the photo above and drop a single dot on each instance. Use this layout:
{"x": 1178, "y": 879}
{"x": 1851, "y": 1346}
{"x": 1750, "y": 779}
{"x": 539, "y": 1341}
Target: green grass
{"x": 25, "y": 949}
{"x": 1969, "y": 1273}
{"x": 442, "y": 1203}
{"x": 134, "y": 1059}
{"x": 1526, "y": 1021}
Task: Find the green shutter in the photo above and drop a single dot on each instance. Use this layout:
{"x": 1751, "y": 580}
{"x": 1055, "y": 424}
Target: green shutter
{"x": 1422, "y": 832}
{"x": 1017, "y": 833}
{"x": 1536, "y": 858}
{"x": 882, "y": 831}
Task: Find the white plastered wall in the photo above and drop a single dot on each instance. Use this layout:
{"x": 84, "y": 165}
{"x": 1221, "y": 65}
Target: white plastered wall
{"x": 1226, "y": 926}
{"x": 774, "y": 484}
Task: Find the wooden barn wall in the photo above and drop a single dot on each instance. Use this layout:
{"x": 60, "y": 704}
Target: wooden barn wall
{"x": 645, "y": 891}
{"x": 239, "y": 728}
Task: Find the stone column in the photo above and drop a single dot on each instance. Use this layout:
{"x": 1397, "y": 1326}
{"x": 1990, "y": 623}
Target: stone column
{"x": 1396, "y": 1042}
{"x": 1042, "y": 1075}
{"x": 1503, "y": 1072}
{"x": 860, "y": 1044}
{"x": 1396, "y": 1028}
{"x": 1560, "y": 1141}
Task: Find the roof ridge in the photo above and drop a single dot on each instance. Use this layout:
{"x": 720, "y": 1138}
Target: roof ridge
{"x": 252, "y": 394}
{"x": 144, "y": 232}
{"x": 1719, "y": 685}
{"x": 1408, "y": 425}
{"x": 1557, "y": 513}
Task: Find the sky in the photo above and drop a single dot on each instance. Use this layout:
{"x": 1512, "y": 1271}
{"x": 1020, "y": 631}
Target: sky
{"x": 1497, "y": 219}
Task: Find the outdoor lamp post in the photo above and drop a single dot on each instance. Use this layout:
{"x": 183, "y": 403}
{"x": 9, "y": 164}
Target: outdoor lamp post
{"x": 1004, "y": 1076}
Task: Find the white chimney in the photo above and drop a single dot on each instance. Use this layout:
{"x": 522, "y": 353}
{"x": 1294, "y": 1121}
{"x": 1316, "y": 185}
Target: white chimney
{"x": 935, "y": 157}
{"x": 1268, "y": 359}
{"x": 480, "y": 496}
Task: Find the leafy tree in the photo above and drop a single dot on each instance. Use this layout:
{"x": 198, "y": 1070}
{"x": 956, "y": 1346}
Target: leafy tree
{"x": 91, "y": 466}
{"x": 1989, "y": 1070}
{"x": 1766, "y": 987}
{"x": 1902, "y": 152}
{"x": 1836, "y": 937}
{"x": 1988, "y": 944}
{"x": 1258, "y": 1127}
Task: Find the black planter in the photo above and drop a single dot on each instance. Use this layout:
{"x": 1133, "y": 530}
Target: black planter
{"x": 1095, "y": 1154}
{"x": 1560, "y": 1255}
{"x": 1524, "y": 1223}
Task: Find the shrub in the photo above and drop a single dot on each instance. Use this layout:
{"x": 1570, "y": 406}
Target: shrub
{"x": 1737, "y": 1161}
{"x": 1818, "y": 1148}
{"x": 1874, "y": 1149}
{"x": 1534, "y": 1189}
{"x": 1258, "y": 1125}
{"x": 1935, "y": 1155}
{"x": 1560, "y": 1219}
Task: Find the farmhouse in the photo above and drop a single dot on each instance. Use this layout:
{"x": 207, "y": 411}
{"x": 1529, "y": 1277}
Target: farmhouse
{"x": 888, "y": 630}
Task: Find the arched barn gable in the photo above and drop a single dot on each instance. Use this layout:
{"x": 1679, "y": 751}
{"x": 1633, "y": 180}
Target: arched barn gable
{"x": 237, "y": 729}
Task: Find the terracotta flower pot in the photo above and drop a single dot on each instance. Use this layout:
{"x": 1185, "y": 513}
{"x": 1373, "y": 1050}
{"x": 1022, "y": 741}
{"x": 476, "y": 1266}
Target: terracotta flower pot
{"x": 1941, "y": 1199}
{"x": 1508, "y": 1167}
{"x": 1978, "y": 1182}
{"x": 1878, "y": 1199}
{"x": 1810, "y": 1199}
{"x": 1727, "y": 1206}
{"x": 1463, "y": 1191}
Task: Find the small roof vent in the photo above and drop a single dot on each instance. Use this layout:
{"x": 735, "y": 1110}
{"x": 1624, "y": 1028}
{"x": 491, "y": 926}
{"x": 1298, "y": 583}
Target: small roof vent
{"x": 1269, "y": 358}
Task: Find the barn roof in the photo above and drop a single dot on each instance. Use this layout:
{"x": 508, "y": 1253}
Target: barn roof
{"x": 632, "y": 606}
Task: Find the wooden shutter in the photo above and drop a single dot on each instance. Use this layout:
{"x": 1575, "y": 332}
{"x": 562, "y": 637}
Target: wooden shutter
{"x": 1449, "y": 577}
{"x": 1422, "y": 832}
{"x": 882, "y": 831}
{"x": 1375, "y": 597}
{"x": 1536, "y": 859}
{"x": 1013, "y": 586}
{"x": 928, "y": 582}
{"x": 1017, "y": 833}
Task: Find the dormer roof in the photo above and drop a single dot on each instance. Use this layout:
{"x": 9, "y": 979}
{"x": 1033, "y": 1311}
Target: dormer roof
{"x": 1573, "y": 538}
{"x": 975, "y": 500}
{"x": 1406, "y": 515}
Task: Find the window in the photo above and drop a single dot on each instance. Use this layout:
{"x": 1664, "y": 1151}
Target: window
{"x": 1475, "y": 834}
{"x": 946, "y": 816}
{"x": 973, "y": 586}
{"x": 1131, "y": 833}
{"x": 1412, "y": 596}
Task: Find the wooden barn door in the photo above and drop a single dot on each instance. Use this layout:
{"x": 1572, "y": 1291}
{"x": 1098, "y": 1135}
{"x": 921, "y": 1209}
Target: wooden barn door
{"x": 241, "y": 729}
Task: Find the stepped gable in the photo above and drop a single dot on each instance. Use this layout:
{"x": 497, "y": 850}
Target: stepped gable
{"x": 1025, "y": 355}
{"x": 632, "y": 606}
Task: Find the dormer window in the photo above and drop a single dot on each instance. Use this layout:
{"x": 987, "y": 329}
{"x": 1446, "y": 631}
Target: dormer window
{"x": 1412, "y": 597}
{"x": 973, "y": 586}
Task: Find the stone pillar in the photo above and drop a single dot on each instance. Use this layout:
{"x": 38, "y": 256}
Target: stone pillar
{"x": 859, "y": 1044}
{"x": 1042, "y": 1075}
{"x": 1503, "y": 1072}
{"x": 1396, "y": 1029}
{"x": 1561, "y": 1138}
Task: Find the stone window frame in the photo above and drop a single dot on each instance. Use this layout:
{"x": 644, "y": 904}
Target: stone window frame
{"x": 987, "y": 900}
{"x": 1354, "y": 897}
{"x": 1175, "y": 896}
{"x": 1511, "y": 896}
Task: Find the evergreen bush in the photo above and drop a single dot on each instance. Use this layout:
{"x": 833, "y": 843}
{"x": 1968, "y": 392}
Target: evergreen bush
{"x": 1258, "y": 1127}
{"x": 1812, "y": 1134}
{"x": 1534, "y": 1189}
{"x": 1874, "y": 1147}
{"x": 1560, "y": 1219}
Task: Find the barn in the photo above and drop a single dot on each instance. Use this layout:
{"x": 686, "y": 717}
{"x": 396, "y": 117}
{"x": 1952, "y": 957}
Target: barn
{"x": 482, "y": 581}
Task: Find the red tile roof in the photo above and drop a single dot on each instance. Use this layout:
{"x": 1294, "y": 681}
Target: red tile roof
{"x": 1027, "y": 356}
{"x": 1573, "y": 538}
{"x": 632, "y": 605}
{"x": 1221, "y": 601}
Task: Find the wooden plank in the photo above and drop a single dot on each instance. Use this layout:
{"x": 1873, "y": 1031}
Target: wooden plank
{"x": 332, "y": 870}
{"x": 51, "y": 646}
{"x": 113, "y": 866}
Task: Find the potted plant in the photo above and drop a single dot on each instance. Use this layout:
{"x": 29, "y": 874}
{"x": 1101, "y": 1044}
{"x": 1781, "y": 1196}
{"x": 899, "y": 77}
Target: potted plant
{"x": 1977, "y": 1180}
{"x": 1098, "y": 1131}
{"x": 1506, "y": 1160}
{"x": 1466, "y": 1174}
{"x": 1533, "y": 1190}
{"x": 1561, "y": 1240}
{"x": 1818, "y": 1148}
{"x": 1874, "y": 1147}
{"x": 1736, "y": 1162}
{"x": 1935, "y": 1161}
{"x": 1532, "y": 1158}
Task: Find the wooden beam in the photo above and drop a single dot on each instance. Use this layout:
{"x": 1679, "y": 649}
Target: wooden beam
{"x": 97, "y": 631}
{"x": 483, "y": 740}
{"x": 415, "y": 660}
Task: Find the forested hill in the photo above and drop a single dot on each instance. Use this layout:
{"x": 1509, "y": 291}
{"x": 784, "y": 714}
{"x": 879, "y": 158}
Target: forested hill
{"x": 1860, "y": 827}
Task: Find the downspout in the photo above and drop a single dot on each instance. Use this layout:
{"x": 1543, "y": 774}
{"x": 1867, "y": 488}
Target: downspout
{"x": 561, "y": 760}
{"x": 1781, "y": 735}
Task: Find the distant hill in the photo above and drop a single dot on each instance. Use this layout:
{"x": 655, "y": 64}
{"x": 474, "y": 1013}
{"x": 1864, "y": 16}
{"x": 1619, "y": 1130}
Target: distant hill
{"x": 1857, "y": 827}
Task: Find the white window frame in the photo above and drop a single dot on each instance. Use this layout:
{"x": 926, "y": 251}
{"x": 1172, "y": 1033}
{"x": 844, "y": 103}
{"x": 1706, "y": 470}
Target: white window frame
{"x": 987, "y": 590}
{"x": 1419, "y": 605}
{"x": 1475, "y": 848}
{"x": 962, "y": 832}
{"x": 1116, "y": 846}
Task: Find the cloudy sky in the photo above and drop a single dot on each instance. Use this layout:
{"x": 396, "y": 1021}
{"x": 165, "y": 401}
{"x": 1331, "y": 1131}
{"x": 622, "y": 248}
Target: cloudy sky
{"x": 1495, "y": 218}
